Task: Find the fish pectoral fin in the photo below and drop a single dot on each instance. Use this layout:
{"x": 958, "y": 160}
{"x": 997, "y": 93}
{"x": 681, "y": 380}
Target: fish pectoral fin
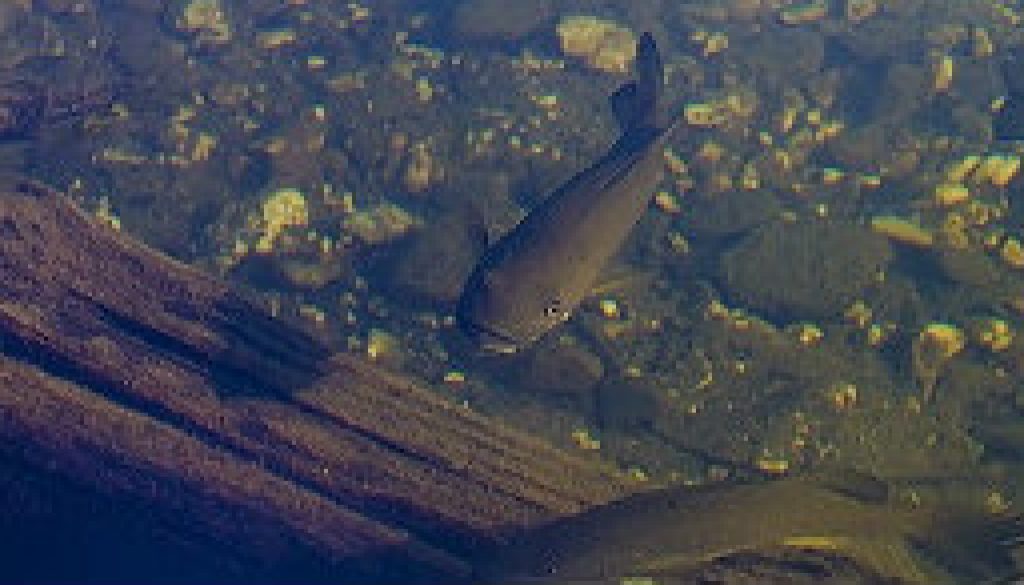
{"x": 621, "y": 280}
{"x": 855, "y": 484}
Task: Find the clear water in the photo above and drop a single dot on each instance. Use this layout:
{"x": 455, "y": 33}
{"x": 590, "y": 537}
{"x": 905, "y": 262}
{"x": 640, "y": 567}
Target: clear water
{"x": 830, "y": 274}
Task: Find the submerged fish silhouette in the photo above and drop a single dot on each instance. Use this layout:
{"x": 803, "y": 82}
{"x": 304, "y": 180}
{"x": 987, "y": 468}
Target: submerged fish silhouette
{"x": 664, "y": 535}
{"x": 536, "y": 275}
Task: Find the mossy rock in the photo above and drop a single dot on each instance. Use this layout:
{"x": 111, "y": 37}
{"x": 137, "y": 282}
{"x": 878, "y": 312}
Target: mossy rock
{"x": 500, "y": 21}
{"x": 803, "y": 270}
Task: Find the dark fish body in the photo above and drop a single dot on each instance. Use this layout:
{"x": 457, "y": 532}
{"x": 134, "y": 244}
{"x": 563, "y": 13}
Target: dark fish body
{"x": 663, "y": 535}
{"x": 531, "y": 279}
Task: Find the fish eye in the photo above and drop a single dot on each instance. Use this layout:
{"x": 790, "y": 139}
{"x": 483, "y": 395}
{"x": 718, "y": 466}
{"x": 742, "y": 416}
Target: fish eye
{"x": 554, "y": 309}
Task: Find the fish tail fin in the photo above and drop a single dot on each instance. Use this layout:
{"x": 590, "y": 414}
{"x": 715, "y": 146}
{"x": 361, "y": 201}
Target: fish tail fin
{"x": 635, "y": 104}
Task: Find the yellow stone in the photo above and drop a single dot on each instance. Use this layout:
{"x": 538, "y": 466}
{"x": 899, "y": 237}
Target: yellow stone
{"x": 675, "y": 163}
{"x": 876, "y": 335}
{"x": 859, "y": 314}
{"x": 948, "y": 339}
{"x": 944, "y": 73}
{"x": 454, "y": 377}
{"x": 547, "y": 101}
{"x": 773, "y": 466}
{"x": 316, "y": 62}
{"x": 667, "y": 202}
{"x": 860, "y": 10}
{"x": 284, "y": 208}
{"x": 902, "y": 230}
{"x": 804, "y": 13}
{"x": 1012, "y": 252}
{"x": 424, "y": 91}
{"x": 983, "y": 45}
{"x": 809, "y": 334}
{"x": 749, "y": 180}
{"x": 703, "y": 115}
{"x": 584, "y": 440}
{"x": 829, "y": 130}
{"x": 871, "y": 181}
{"x": 275, "y": 39}
{"x": 947, "y": 194}
{"x": 602, "y": 44}
{"x": 711, "y": 152}
{"x": 998, "y": 169}
{"x": 995, "y": 334}
{"x": 609, "y": 308}
{"x": 207, "y": 19}
{"x": 960, "y": 170}
{"x": 844, "y": 396}
{"x": 832, "y": 176}
{"x": 380, "y": 343}
{"x": 715, "y": 43}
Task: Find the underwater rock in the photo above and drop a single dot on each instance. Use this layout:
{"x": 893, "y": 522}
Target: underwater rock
{"x": 931, "y": 351}
{"x": 381, "y": 224}
{"x": 562, "y": 366}
{"x": 730, "y": 213}
{"x": 434, "y": 263}
{"x": 804, "y": 270}
{"x": 780, "y": 57}
{"x": 500, "y": 21}
{"x": 906, "y": 89}
{"x": 870, "y": 146}
{"x": 602, "y": 44}
{"x": 629, "y": 404}
{"x": 969, "y": 267}
{"x": 205, "y": 20}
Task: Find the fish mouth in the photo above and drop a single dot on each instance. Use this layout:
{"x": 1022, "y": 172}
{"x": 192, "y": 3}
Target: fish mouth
{"x": 490, "y": 339}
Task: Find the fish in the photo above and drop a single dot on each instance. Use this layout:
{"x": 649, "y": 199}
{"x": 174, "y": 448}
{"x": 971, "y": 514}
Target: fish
{"x": 1008, "y": 122}
{"x": 919, "y": 534}
{"x": 533, "y": 278}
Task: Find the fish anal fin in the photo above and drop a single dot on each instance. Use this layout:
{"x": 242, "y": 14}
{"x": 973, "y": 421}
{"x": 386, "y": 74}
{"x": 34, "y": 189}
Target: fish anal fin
{"x": 855, "y": 484}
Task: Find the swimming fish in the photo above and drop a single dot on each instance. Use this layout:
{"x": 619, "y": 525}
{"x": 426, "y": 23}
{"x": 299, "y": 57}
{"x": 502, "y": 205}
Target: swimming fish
{"x": 921, "y": 536}
{"x": 532, "y": 279}
{"x": 1008, "y": 122}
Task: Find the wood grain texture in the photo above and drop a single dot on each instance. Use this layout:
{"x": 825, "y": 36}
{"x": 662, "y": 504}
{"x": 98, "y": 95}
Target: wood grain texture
{"x": 138, "y": 377}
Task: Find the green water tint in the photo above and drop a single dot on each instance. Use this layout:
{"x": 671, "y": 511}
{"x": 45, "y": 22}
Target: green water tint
{"x": 936, "y": 534}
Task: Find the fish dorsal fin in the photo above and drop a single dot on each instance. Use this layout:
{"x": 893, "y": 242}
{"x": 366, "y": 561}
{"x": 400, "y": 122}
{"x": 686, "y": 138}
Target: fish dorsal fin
{"x": 635, "y": 104}
{"x": 623, "y": 103}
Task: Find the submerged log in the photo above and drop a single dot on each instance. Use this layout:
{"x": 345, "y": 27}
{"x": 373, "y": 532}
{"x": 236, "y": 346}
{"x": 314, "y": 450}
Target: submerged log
{"x": 146, "y": 381}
